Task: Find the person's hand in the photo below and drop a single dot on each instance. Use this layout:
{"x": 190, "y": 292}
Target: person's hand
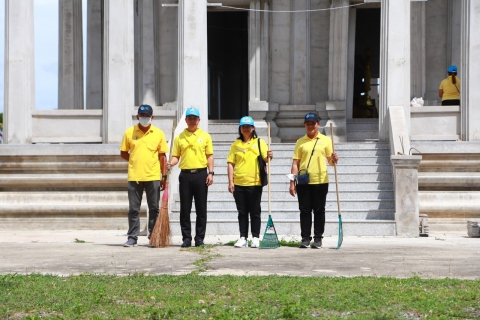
{"x": 270, "y": 154}
{"x": 335, "y": 157}
{"x": 163, "y": 183}
{"x": 231, "y": 187}
{"x": 169, "y": 165}
{"x": 293, "y": 188}
{"x": 209, "y": 180}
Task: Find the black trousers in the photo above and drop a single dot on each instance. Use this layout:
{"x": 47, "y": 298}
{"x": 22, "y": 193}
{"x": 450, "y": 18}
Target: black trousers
{"x": 312, "y": 197}
{"x": 248, "y": 201}
{"x": 193, "y": 186}
{"x": 135, "y": 192}
{"x": 451, "y": 102}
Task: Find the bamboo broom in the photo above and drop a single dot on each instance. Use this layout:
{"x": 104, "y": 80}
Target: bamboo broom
{"x": 161, "y": 234}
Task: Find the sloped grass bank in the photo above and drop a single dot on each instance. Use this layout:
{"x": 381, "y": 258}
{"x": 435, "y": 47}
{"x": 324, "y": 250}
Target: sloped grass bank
{"x": 230, "y": 297}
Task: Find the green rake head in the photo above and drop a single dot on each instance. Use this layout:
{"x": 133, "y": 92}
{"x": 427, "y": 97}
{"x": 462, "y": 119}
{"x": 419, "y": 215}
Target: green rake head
{"x": 340, "y": 232}
{"x": 270, "y": 239}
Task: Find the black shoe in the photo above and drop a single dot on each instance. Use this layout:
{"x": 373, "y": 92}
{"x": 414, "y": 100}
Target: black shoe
{"x": 199, "y": 243}
{"x": 317, "y": 243}
{"x": 186, "y": 243}
{"x": 305, "y": 243}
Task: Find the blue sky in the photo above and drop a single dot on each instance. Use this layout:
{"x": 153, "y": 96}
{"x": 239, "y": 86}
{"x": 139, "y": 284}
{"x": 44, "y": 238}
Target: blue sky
{"x": 46, "y": 52}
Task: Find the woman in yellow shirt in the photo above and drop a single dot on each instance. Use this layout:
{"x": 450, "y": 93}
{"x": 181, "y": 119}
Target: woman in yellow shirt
{"x": 312, "y": 152}
{"x": 449, "y": 89}
{"x": 244, "y": 179}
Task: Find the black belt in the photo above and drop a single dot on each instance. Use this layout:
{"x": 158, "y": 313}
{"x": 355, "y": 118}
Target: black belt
{"x": 193, "y": 170}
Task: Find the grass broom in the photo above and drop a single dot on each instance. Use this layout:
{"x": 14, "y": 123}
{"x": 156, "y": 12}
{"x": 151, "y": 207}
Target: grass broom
{"x": 340, "y": 227}
{"x": 161, "y": 235}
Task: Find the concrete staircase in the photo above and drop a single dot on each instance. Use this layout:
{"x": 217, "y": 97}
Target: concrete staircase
{"x": 365, "y": 186}
{"x": 84, "y": 187}
{"x": 449, "y": 183}
{"x": 362, "y": 130}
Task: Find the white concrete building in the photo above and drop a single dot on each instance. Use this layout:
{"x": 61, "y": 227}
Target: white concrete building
{"x": 272, "y": 59}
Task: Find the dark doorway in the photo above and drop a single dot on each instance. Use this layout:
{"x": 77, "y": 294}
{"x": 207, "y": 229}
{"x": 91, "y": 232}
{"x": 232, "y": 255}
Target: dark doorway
{"x": 227, "y": 65}
{"x": 367, "y": 63}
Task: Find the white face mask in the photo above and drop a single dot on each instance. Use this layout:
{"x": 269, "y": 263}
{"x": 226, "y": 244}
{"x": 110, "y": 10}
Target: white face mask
{"x": 145, "y": 121}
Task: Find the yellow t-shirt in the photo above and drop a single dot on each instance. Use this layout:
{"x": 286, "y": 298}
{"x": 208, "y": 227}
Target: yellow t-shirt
{"x": 318, "y": 165}
{"x": 143, "y": 164}
{"x": 244, "y": 157}
{"x": 450, "y": 91}
{"x": 192, "y": 148}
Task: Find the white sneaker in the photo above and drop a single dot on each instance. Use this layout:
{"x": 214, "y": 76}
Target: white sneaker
{"x": 255, "y": 243}
{"x": 241, "y": 243}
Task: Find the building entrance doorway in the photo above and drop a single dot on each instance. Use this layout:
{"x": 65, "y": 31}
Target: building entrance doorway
{"x": 227, "y": 65}
{"x": 367, "y": 63}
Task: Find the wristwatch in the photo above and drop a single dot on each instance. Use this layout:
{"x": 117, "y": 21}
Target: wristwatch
{"x": 212, "y": 173}
{"x": 164, "y": 176}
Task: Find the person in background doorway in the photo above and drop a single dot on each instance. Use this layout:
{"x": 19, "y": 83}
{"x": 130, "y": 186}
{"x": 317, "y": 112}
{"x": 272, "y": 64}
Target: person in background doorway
{"x": 244, "y": 180}
{"x": 194, "y": 150}
{"x": 144, "y": 147}
{"x": 449, "y": 89}
{"x": 312, "y": 152}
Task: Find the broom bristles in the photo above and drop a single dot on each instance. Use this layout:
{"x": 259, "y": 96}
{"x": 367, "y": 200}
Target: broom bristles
{"x": 160, "y": 237}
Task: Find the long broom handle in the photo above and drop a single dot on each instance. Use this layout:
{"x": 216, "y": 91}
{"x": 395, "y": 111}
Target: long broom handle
{"x": 268, "y": 135}
{"x": 335, "y": 167}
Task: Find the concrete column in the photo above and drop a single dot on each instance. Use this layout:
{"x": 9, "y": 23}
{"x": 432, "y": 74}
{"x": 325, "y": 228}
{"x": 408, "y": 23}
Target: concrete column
{"x": 417, "y": 50}
{"x": 300, "y": 53}
{"x": 118, "y": 69}
{"x": 192, "y": 59}
{"x": 166, "y": 52}
{"x": 70, "y": 55}
{"x": 19, "y": 72}
{"x": 470, "y": 76}
{"x": 337, "y": 71}
{"x": 394, "y": 61}
{"x": 144, "y": 53}
{"x": 94, "y": 88}
{"x": 453, "y": 34}
{"x": 258, "y": 47}
{"x": 407, "y": 206}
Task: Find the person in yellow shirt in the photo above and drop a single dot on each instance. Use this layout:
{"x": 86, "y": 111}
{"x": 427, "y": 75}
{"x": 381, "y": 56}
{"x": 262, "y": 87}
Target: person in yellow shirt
{"x": 449, "y": 89}
{"x": 144, "y": 147}
{"x": 194, "y": 150}
{"x": 244, "y": 179}
{"x": 312, "y": 151}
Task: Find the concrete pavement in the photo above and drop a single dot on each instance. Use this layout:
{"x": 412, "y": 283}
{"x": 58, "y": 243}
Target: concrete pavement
{"x": 58, "y": 252}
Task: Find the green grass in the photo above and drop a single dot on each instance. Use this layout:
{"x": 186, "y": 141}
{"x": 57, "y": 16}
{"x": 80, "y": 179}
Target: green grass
{"x": 230, "y": 297}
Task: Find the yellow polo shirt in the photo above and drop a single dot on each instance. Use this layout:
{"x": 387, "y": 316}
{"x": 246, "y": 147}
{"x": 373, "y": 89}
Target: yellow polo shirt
{"x": 143, "y": 164}
{"x": 450, "y": 91}
{"x": 318, "y": 165}
{"x": 243, "y": 155}
{"x": 192, "y": 148}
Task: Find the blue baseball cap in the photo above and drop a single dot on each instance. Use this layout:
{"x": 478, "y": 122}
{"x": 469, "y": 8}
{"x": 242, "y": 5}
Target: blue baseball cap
{"x": 192, "y": 111}
{"x": 145, "y": 109}
{"x": 246, "y": 121}
{"x": 311, "y": 117}
{"x": 452, "y": 69}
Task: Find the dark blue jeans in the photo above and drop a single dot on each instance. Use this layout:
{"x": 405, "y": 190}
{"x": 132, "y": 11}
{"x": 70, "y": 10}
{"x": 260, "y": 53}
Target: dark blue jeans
{"x": 248, "y": 200}
{"x": 312, "y": 197}
{"x": 135, "y": 193}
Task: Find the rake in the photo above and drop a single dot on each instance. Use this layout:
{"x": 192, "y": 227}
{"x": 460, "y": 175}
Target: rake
{"x": 340, "y": 228}
{"x": 270, "y": 238}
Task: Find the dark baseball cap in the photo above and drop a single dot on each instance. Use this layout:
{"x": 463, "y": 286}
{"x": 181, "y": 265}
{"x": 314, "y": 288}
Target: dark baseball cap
{"x": 145, "y": 109}
{"x": 313, "y": 117}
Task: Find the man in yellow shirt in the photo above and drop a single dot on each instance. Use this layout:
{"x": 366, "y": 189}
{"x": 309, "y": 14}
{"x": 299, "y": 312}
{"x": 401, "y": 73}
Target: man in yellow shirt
{"x": 310, "y": 154}
{"x": 144, "y": 147}
{"x": 194, "y": 150}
